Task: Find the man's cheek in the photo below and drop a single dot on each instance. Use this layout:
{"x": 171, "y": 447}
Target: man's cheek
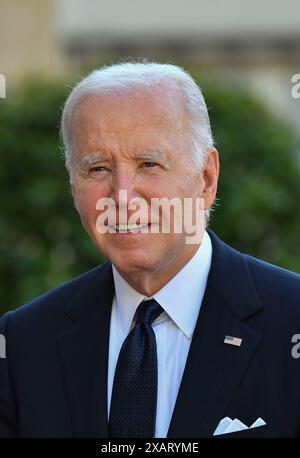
{"x": 88, "y": 213}
{"x": 86, "y": 202}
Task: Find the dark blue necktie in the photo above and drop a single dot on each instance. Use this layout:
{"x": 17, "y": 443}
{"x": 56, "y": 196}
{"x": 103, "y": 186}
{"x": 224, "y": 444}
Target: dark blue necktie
{"x": 134, "y": 394}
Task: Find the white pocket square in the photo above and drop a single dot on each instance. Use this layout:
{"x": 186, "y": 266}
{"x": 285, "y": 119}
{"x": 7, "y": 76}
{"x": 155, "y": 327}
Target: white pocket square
{"x": 227, "y": 425}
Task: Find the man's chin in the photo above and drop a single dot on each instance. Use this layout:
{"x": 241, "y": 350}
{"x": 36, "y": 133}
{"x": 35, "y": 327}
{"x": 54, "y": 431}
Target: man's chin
{"x": 133, "y": 264}
{"x": 130, "y": 259}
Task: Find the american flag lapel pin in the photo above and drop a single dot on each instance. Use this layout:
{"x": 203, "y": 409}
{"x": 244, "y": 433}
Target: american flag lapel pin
{"x": 230, "y": 340}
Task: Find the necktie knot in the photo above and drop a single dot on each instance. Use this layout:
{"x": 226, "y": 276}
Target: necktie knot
{"x": 148, "y": 311}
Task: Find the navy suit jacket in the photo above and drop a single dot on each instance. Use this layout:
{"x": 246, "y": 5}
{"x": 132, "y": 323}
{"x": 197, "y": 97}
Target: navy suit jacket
{"x": 53, "y": 382}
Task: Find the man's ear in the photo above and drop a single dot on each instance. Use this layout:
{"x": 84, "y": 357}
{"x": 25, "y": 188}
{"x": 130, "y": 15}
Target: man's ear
{"x": 72, "y": 186}
{"x": 73, "y": 190}
{"x": 210, "y": 175}
{"x": 74, "y": 194}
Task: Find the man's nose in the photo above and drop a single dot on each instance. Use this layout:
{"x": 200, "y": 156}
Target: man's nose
{"x": 123, "y": 187}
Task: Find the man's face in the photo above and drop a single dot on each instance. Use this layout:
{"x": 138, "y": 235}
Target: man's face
{"x": 137, "y": 143}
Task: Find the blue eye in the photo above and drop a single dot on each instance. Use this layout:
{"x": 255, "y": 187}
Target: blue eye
{"x": 98, "y": 169}
{"x": 149, "y": 164}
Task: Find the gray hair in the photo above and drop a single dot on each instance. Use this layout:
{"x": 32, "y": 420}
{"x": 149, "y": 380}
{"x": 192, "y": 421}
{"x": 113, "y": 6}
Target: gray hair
{"x": 119, "y": 78}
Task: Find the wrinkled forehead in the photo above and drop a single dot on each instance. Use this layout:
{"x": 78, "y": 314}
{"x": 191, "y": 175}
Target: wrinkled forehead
{"x": 128, "y": 109}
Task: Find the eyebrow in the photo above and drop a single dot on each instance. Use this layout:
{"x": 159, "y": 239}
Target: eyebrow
{"x": 91, "y": 159}
{"x": 153, "y": 155}
{"x": 150, "y": 155}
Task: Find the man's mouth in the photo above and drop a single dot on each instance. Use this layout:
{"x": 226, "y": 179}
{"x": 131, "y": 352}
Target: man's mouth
{"x": 130, "y": 227}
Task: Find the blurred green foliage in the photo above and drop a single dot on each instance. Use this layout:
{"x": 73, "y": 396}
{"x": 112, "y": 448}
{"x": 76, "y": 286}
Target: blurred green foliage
{"x": 42, "y": 242}
{"x": 259, "y": 188}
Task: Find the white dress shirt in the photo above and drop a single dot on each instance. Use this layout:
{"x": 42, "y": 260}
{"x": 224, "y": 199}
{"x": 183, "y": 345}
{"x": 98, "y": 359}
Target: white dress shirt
{"x": 181, "y": 300}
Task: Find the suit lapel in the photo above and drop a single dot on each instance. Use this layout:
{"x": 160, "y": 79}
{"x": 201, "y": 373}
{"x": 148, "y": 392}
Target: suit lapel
{"x": 214, "y": 369}
{"x": 83, "y": 353}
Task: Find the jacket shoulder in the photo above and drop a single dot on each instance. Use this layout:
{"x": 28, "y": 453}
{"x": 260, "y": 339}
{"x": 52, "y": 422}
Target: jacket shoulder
{"x": 278, "y": 288}
{"x": 268, "y": 275}
{"x": 51, "y": 303}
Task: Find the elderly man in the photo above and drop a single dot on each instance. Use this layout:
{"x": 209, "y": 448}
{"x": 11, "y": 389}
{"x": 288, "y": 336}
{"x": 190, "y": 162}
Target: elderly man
{"x": 170, "y": 337}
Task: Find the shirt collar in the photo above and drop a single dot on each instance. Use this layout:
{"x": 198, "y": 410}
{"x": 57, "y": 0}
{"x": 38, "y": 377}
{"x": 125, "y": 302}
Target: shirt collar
{"x": 181, "y": 297}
